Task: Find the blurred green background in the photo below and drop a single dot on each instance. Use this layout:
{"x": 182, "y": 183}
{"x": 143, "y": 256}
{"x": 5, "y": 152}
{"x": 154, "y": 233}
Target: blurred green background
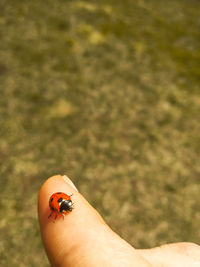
{"x": 107, "y": 92}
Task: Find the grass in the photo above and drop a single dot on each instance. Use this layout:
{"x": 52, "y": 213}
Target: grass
{"x": 108, "y": 93}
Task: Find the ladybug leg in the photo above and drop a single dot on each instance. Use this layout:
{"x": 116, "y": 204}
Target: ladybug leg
{"x": 50, "y": 214}
{"x": 62, "y": 215}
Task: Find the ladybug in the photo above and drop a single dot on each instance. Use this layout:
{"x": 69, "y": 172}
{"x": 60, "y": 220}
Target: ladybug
{"x": 60, "y": 203}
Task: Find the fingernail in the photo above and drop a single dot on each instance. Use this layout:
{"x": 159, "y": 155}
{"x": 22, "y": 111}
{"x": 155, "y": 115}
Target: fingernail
{"x": 66, "y": 179}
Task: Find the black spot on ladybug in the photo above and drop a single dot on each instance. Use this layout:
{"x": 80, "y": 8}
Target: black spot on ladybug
{"x": 59, "y": 193}
{"x": 60, "y": 199}
{"x": 51, "y": 199}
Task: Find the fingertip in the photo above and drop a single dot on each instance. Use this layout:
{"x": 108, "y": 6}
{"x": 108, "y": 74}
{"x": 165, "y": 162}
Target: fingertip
{"x": 52, "y": 233}
{"x": 58, "y": 237}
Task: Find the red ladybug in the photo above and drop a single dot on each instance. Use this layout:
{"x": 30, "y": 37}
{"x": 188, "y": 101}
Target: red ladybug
{"x": 60, "y": 203}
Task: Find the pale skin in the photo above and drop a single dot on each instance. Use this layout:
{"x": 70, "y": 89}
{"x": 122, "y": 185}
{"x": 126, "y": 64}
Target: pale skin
{"x": 83, "y": 239}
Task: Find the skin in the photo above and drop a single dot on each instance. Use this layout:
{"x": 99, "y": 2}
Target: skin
{"x": 83, "y": 239}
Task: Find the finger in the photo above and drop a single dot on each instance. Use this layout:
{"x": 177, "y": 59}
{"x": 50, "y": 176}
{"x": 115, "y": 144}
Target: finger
{"x": 173, "y": 255}
{"x": 82, "y": 238}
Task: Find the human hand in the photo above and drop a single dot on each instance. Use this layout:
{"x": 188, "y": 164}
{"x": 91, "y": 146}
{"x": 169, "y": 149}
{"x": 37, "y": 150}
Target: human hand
{"x": 83, "y": 239}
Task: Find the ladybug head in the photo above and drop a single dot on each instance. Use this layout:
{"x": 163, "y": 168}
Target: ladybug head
{"x": 66, "y": 205}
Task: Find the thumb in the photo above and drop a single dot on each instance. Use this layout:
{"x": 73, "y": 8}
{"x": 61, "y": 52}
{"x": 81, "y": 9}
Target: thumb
{"x": 82, "y": 238}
